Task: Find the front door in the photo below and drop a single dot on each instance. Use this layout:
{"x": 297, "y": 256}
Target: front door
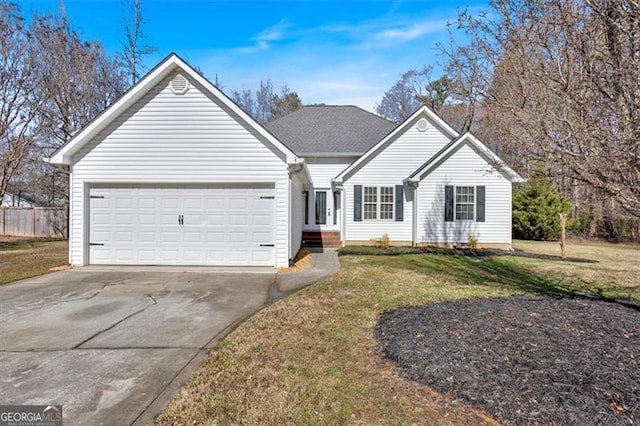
{"x": 324, "y": 208}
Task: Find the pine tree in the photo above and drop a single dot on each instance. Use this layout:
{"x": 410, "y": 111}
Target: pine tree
{"x": 537, "y": 205}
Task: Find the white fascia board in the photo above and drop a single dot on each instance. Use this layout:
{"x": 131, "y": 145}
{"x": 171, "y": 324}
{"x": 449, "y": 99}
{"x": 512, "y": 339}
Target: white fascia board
{"x": 400, "y": 128}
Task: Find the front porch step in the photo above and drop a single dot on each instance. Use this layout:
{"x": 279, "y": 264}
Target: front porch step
{"x": 326, "y": 239}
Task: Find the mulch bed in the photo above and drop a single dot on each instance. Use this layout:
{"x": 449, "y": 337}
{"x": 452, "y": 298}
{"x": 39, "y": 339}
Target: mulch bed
{"x": 523, "y": 360}
{"x": 466, "y": 252}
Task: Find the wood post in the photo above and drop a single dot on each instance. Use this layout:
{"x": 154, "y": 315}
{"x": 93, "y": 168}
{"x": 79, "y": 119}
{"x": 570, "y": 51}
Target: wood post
{"x": 563, "y": 235}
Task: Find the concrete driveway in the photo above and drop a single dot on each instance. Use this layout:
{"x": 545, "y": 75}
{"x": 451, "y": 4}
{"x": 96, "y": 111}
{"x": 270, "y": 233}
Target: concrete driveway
{"x": 112, "y": 346}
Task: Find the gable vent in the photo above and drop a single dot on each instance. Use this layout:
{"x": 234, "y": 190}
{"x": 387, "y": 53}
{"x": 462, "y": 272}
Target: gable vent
{"x": 179, "y": 85}
{"x": 422, "y": 125}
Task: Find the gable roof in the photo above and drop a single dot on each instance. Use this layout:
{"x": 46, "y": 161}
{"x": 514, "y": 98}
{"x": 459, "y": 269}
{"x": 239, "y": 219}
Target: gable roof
{"x": 382, "y": 144}
{"x": 172, "y": 62}
{"x": 489, "y": 156}
{"x": 330, "y": 130}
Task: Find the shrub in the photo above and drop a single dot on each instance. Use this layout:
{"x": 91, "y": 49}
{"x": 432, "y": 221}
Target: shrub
{"x": 382, "y": 242}
{"x": 472, "y": 242}
{"x": 536, "y": 208}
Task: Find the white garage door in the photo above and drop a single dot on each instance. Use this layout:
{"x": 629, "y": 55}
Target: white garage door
{"x": 182, "y": 226}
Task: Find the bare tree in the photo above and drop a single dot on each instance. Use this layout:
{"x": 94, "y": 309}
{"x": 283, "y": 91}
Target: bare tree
{"x": 285, "y": 103}
{"x": 134, "y": 47}
{"x": 19, "y": 95}
{"x": 402, "y": 99}
{"x": 51, "y": 84}
{"x": 558, "y": 83}
{"x": 266, "y": 104}
{"x": 78, "y": 81}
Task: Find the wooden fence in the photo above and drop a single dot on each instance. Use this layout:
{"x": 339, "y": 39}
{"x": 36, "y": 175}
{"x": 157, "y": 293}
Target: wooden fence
{"x": 34, "y": 221}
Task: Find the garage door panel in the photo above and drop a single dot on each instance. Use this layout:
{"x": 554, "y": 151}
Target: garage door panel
{"x": 147, "y": 219}
{"x": 169, "y": 237}
{"x": 147, "y": 237}
{"x": 192, "y": 237}
{"x": 168, "y": 218}
{"x": 220, "y": 226}
{"x": 124, "y": 219}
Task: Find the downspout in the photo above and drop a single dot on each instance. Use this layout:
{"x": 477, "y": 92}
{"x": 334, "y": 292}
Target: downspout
{"x": 338, "y": 186}
{"x": 292, "y": 168}
{"x": 414, "y": 222}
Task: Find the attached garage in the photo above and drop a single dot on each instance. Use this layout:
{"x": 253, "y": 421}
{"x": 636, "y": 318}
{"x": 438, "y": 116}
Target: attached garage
{"x": 182, "y": 226}
{"x": 174, "y": 173}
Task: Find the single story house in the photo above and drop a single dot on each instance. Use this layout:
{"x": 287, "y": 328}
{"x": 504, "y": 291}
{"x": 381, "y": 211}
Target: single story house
{"x": 175, "y": 173}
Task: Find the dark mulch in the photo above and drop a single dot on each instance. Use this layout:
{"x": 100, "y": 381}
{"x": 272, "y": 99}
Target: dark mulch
{"x": 524, "y": 360}
{"x": 467, "y": 252}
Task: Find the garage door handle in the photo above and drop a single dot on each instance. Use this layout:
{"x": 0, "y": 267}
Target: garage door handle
{"x": 266, "y": 245}
{"x": 96, "y": 244}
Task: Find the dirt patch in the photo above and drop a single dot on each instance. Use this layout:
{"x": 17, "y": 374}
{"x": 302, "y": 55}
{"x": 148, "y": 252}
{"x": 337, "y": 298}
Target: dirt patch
{"x": 523, "y": 360}
{"x": 302, "y": 261}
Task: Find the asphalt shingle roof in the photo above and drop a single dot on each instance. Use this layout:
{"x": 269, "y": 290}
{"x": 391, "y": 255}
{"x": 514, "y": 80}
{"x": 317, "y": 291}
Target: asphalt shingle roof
{"x": 330, "y": 130}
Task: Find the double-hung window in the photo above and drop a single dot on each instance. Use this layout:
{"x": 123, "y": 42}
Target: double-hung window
{"x": 465, "y": 202}
{"x": 378, "y": 202}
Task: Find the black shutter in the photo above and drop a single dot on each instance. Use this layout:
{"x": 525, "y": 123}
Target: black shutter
{"x": 448, "y": 203}
{"x": 480, "y": 203}
{"x": 357, "y": 203}
{"x": 399, "y": 203}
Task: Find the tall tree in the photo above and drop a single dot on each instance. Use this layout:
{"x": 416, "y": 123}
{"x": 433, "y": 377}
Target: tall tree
{"x": 265, "y": 104}
{"x": 559, "y": 85}
{"x": 285, "y": 103}
{"x": 20, "y": 96}
{"x": 401, "y": 100}
{"x": 51, "y": 84}
{"x": 134, "y": 47}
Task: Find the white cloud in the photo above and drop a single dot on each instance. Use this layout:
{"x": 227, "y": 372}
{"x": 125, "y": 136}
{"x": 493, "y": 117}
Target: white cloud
{"x": 412, "y": 31}
{"x": 265, "y": 39}
{"x": 273, "y": 33}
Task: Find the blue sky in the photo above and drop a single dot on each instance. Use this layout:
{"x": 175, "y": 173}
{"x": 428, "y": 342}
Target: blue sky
{"x": 335, "y": 52}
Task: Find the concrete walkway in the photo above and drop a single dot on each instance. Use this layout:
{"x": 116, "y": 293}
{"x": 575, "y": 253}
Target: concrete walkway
{"x": 113, "y": 346}
{"x": 325, "y": 263}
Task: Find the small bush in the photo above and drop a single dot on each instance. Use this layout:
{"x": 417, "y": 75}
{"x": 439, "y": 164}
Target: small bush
{"x": 472, "y": 242}
{"x": 384, "y": 242}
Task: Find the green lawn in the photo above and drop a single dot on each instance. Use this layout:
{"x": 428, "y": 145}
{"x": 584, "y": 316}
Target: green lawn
{"x": 23, "y": 258}
{"x": 311, "y": 358}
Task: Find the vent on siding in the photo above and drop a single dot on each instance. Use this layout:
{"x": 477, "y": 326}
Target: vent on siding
{"x": 422, "y": 125}
{"x": 179, "y": 85}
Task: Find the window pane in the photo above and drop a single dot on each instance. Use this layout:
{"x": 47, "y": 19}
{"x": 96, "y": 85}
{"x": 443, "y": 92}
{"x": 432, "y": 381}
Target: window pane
{"x": 321, "y": 208}
{"x": 386, "y": 211}
{"x": 464, "y": 212}
{"x": 386, "y": 194}
{"x": 465, "y": 199}
{"x": 464, "y": 194}
{"x": 369, "y": 211}
{"x": 370, "y": 194}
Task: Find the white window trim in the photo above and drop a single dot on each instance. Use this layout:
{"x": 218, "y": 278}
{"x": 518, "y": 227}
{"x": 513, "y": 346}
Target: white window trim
{"x": 379, "y": 203}
{"x": 455, "y": 204}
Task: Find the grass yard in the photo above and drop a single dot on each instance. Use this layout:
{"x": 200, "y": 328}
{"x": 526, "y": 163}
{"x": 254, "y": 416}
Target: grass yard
{"x": 312, "y": 358}
{"x": 23, "y": 258}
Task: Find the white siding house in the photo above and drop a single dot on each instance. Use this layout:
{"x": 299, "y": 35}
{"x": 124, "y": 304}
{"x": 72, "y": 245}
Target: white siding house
{"x": 392, "y": 190}
{"x": 175, "y": 173}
